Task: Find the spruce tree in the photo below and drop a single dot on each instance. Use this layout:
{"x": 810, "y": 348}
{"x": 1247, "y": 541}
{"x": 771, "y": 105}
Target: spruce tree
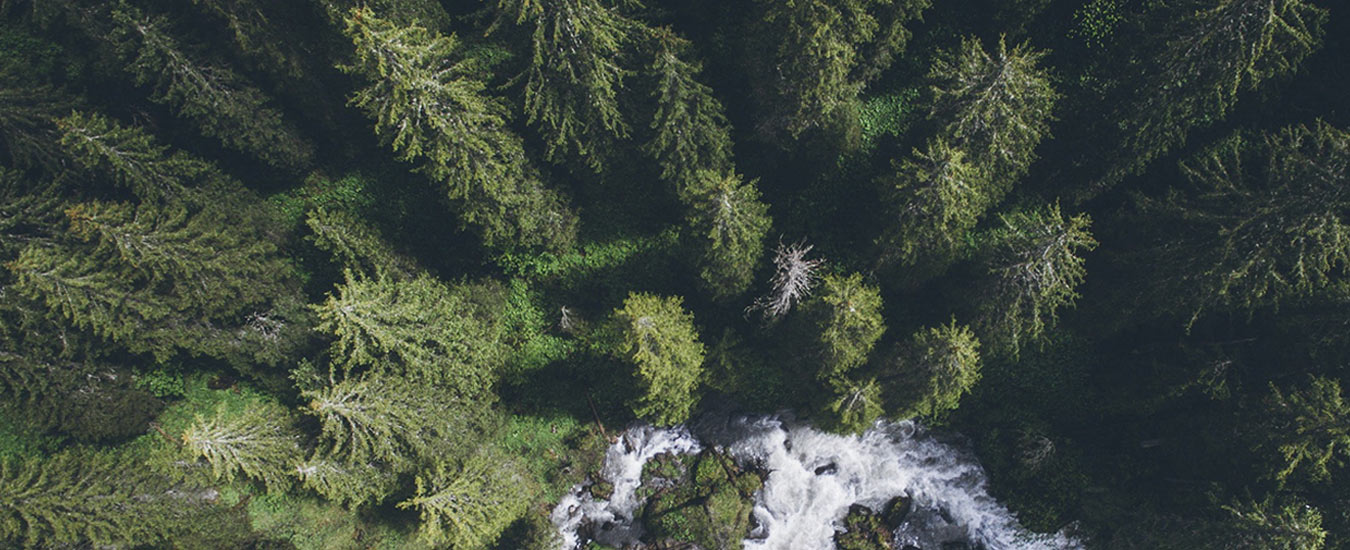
{"x": 132, "y": 158}
{"x": 729, "y": 222}
{"x": 932, "y": 371}
{"x": 258, "y": 442}
{"x": 1277, "y": 524}
{"x": 28, "y": 134}
{"x": 471, "y": 505}
{"x": 575, "y": 71}
{"x": 1034, "y": 268}
{"x": 430, "y": 103}
{"x": 220, "y": 102}
{"x": 357, "y": 246}
{"x": 1307, "y": 429}
{"x": 658, "y": 337}
{"x": 939, "y": 197}
{"x": 690, "y": 131}
{"x": 846, "y": 315}
{"x": 419, "y": 328}
{"x": 353, "y": 485}
{"x": 386, "y": 419}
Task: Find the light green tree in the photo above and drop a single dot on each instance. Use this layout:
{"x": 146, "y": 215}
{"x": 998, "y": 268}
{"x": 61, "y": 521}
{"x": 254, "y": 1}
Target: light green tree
{"x": 353, "y": 485}
{"x": 1307, "y": 429}
{"x": 419, "y": 328}
{"x": 381, "y": 418}
{"x": 846, "y": 315}
{"x": 1277, "y": 524}
{"x": 1035, "y": 266}
{"x": 729, "y": 222}
{"x": 940, "y": 196}
{"x": 658, "y": 337}
{"x": 471, "y": 505}
{"x": 357, "y": 246}
{"x": 258, "y": 441}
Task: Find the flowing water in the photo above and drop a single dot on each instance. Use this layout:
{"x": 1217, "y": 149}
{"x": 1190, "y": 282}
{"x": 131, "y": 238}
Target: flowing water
{"x": 813, "y": 478}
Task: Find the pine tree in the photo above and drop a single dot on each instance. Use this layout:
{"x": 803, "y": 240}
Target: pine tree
{"x": 932, "y": 372}
{"x": 820, "y": 55}
{"x": 258, "y": 442}
{"x": 381, "y": 418}
{"x": 658, "y": 338}
{"x": 259, "y": 32}
{"x": 575, "y": 72}
{"x": 855, "y": 405}
{"x": 87, "y": 399}
{"x": 691, "y": 132}
{"x": 470, "y": 506}
{"x": 430, "y": 103}
{"x": 28, "y": 133}
{"x": 220, "y": 102}
{"x": 730, "y": 222}
{"x": 1307, "y": 428}
{"x": 82, "y": 497}
{"x": 1035, "y": 268}
{"x": 132, "y": 158}
{"x": 1210, "y": 52}
{"x": 996, "y": 108}
{"x": 1289, "y": 525}
{"x": 419, "y": 328}
{"x": 1263, "y": 222}
{"x": 847, "y": 319}
{"x": 793, "y": 279}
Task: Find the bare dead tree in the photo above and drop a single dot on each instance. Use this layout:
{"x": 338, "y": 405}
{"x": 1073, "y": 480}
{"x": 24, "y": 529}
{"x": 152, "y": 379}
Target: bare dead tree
{"x": 792, "y": 282}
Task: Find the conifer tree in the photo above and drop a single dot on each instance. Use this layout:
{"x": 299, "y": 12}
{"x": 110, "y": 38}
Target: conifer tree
{"x": 847, "y": 317}
{"x": 82, "y": 497}
{"x": 1209, "y": 53}
{"x": 86, "y": 399}
{"x": 575, "y": 71}
{"x": 1263, "y": 221}
{"x": 994, "y": 106}
{"x": 821, "y": 54}
{"x": 132, "y": 158}
{"x": 259, "y": 32}
{"x": 730, "y": 222}
{"x": 381, "y": 418}
{"x": 357, "y": 246}
{"x": 932, "y": 372}
{"x": 1307, "y": 429}
{"x": 352, "y": 485}
{"x": 691, "y": 133}
{"x": 471, "y": 505}
{"x": 28, "y": 133}
{"x": 220, "y": 102}
{"x": 418, "y": 328}
{"x": 658, "y": 337}
{"x": 258, "y": 442}
{"x": 1270, "y": 523}
{"x": 940, "y": 197}
{"x": 855, "y": 405}
{"x": 430, "y": 103}
{"x": 1035, "y": 268}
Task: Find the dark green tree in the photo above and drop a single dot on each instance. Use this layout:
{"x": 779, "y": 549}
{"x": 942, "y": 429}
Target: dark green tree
{"x": 220, "y": 102}
{"x": 28, "y": 133}
{"x": 1262, "y": 223}
{"x": 430, "y": 103}
{"x": 994, "y": 106}
{"x": 1210, "y": 52}
{"x": 1307, "y": 429}
{"x": 658, "y": 338}
{"x": 357, "y": 246}
{"x": 932, "y": 371}
{"x": 817, "y": 55}
{"x": 575, "y": 71}
{"x": 691, "y": 133}
{"x": 1035, "y": 267}
{"x": 133, "y": 159}
{"x": 940, "y": 197}
{"x": 729, "y": 222}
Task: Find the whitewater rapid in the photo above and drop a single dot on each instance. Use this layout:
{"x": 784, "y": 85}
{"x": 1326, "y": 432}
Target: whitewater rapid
{"x": 800, "y": 509}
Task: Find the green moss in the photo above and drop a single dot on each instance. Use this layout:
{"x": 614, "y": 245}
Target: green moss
{"x": 698, "y": 504}
{"x": 311, "y": 523}
{"x": 888, "y": 114}
{"x": 863, "y": 530}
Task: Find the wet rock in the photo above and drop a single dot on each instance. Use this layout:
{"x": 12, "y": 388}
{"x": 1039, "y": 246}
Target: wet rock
{"x": 828, "y": 469}
{"x": 602, "y": 489}
{"x": 896, "y": 510}
{"x": 863, "y": 530}
{"x": 910, "y": 547}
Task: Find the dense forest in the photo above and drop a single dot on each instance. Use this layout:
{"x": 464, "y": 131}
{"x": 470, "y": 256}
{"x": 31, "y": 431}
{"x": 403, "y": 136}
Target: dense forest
{"x": 332, "y": 274}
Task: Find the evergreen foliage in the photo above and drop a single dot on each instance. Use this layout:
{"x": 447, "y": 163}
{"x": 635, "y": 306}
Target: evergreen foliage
{"x": 847, "y": 318}
{"x": 730, "y": 222}
{"x": 658, "y": 338}
{"x": 220, "y": 102}
{"x": 933, "y": 371}
{"x": 258, "y": 442}
{"x": 470, "y": 506}
{"x": 1308, "y": 428}
{"x": 575, "y": 71}
{"x": 690, "y": 131}
{"x": 1035, "y": 268}
{"x": 429, "y": 102}
{"x": 353, "y": 485}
